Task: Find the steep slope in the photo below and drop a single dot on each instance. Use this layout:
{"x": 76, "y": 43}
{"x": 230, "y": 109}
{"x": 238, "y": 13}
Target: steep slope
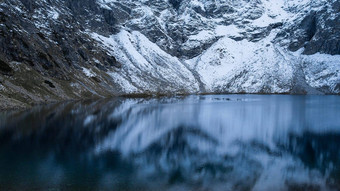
{"x": 70, "y": 49}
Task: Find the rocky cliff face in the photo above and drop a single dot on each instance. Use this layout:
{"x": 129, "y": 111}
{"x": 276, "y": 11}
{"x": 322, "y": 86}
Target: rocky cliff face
{"x": 70, "y": 49}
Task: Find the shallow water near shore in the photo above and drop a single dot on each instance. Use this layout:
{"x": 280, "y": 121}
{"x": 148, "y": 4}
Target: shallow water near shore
{"x": 207, "y": 142}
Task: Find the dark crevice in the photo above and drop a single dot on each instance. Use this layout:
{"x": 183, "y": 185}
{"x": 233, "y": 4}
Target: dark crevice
{"x": 49, "y": 84}
{"x": 5, "y": 68}
{"x": 175, "y": 3}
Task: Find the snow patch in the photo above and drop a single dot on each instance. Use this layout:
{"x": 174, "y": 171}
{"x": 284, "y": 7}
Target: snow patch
{"x": 146, "y": 68}
{"x": 202, "y": 35}
{"x": 104, "y": 4}
{"x": 53, "y": 14}
{"x": 230, "y": 30}
{"x": 322, "y": 70}
{"x": 88, "y": 72}
{"x": 243, "y": 66}
{"x": 196, "y": 3}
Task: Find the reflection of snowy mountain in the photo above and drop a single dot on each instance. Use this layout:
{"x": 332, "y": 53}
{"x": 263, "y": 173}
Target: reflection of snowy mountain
{"x": 228, "y": 140}
{"x": 236, "y": 142}
{"x": 110, "y": 47}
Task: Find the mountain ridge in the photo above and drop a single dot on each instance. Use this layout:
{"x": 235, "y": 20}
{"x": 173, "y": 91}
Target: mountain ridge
{"x": 64, "y": 49}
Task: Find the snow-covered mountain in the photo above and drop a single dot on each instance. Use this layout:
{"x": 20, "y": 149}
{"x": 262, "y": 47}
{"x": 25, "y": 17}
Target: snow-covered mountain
{"x": 66, "y": 49}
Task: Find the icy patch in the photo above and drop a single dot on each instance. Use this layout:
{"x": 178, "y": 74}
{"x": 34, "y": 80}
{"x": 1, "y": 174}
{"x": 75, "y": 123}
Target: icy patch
{"x": 53, "y": 14}
{"x": 88, "y": 72}
{"x": 18, "y": 9}
{"x": 96, "y": 61}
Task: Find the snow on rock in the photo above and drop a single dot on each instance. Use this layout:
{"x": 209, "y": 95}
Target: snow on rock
{"x": 54, "y": 14}
{"x": 273, "y": 12}
{"x": 2, "y": 87}
{"x": 243, "y": 66}
{"x": 88, "y": 72}
{"x": 231, "y": 30}
{"x": 221, "y": 46}
{"x": 190, "y": 46}
{"x": 147, "y": 68}
{"x": 322, "y": 71}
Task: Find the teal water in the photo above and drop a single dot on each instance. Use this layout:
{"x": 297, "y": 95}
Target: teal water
{"x": 210, "y": 142}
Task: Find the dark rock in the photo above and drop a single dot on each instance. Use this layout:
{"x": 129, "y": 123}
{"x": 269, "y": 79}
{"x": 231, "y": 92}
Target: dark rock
{"x": 41, "y": 35}
{"x": 101, "y": 67}
{"x": 113, "y": 62}
{"x": 96, "y": 79}
{"x": 337, "y": 87}
{"x": 5, "y": 68}
{"x": 175, "y": 3}
{"x": 49, "y": 84}
{"x": 276, "y": 25}
{"x": 308, "y": 27}
{"x": 83, "y": 54}
{"x": 45, "y": 63}
{"x": 109, "y": 17}
{"x": 308, "y": 24}
{"x": 255, "y": 37}
{"x": 317, "y": 32}
{"x": 29, "y": 4}
{"x": 238, "y": 38}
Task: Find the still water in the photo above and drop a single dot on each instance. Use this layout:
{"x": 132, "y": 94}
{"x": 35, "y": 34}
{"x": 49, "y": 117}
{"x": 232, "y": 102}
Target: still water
{"x": 210, "y": 142}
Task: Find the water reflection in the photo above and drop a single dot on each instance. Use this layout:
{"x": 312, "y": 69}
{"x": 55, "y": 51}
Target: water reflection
{"x": 213, "y": 142}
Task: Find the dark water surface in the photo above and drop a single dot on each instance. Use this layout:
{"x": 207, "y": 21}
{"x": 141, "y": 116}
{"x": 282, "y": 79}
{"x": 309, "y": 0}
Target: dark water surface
{"x": 213, "y": 142}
